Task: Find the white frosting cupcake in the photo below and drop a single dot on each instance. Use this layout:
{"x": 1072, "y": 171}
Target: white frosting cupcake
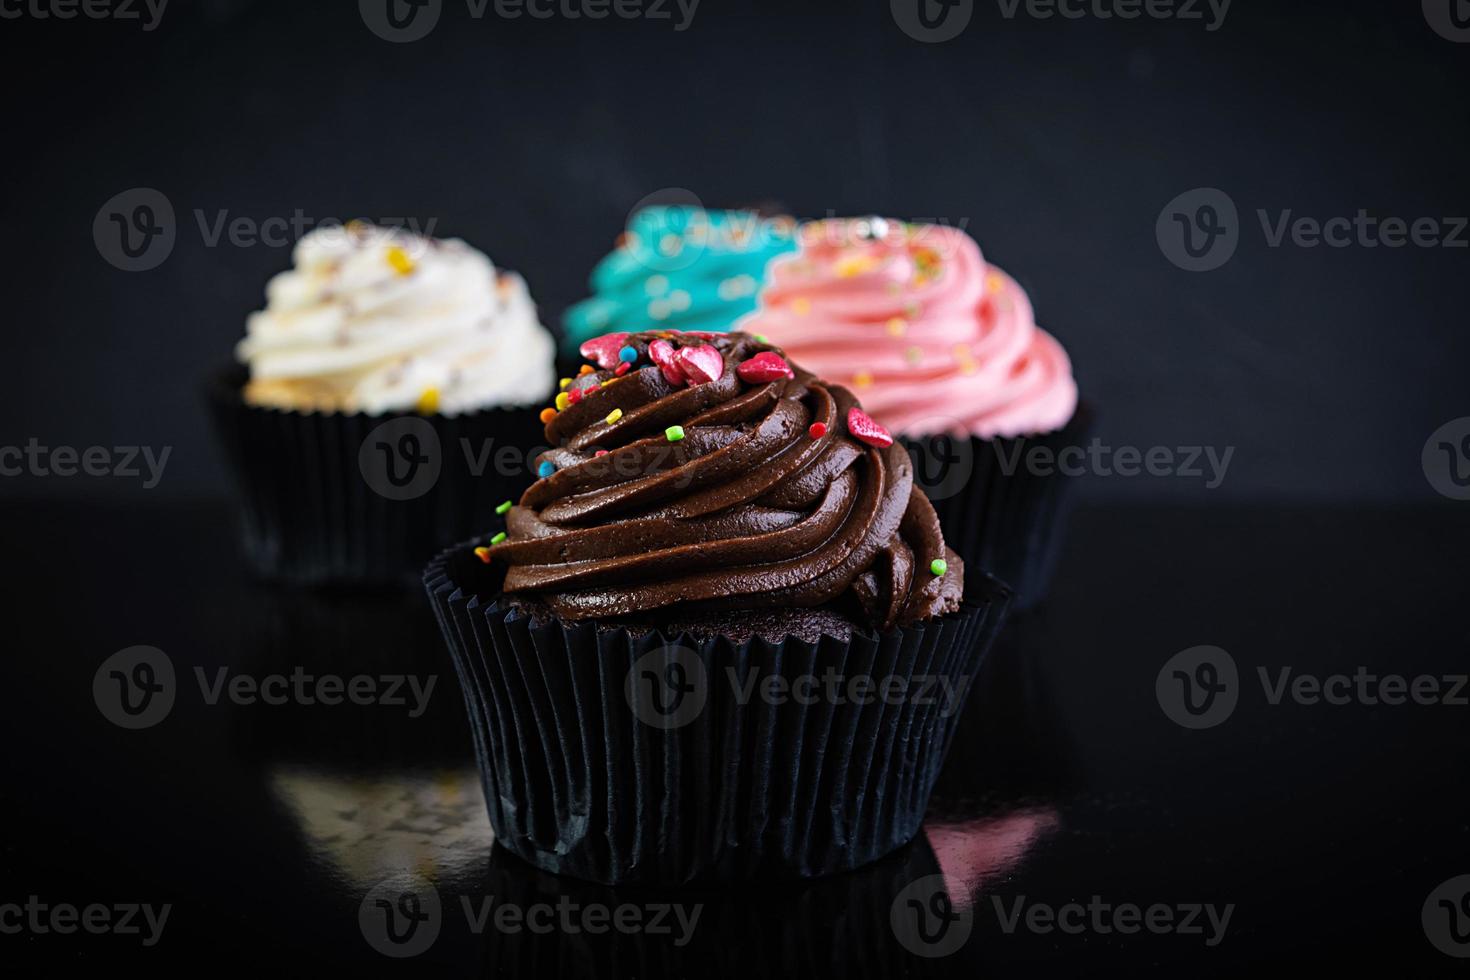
{"x": 380, "y": 320}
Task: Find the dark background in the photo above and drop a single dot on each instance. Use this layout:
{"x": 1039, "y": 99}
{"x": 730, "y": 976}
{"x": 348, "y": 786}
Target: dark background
{"x": 1057, "y": 143}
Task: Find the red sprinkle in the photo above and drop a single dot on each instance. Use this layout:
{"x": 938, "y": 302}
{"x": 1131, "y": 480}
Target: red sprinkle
{"x": 605, "y": 350}
{"x": 622, "y": 369}
{"x": 574, "y": 395}
{"x": 817, "y": 430}
{"x": 701, "y": 364}
{"x": 600, "y": 452}
{"x": 661, "y": 352}
{"x": 862, "y": 426}
{"x": 764, "y": 367}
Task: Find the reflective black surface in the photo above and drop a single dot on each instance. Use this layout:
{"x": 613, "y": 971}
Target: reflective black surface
{"x": 1323, "y": 828}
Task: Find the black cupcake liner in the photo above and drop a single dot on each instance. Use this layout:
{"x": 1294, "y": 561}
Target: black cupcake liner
{"x": 1002, "y": 519}
{"x": 576, "y": 783}
{"x": 321, "y": 506}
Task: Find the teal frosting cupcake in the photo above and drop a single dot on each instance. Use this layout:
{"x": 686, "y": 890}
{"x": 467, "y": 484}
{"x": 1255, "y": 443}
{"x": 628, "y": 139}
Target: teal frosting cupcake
{"x": 680, "y": 267}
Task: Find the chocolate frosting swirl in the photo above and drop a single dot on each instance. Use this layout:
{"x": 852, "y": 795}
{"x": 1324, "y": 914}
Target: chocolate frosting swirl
{"x": 753, "y": 507}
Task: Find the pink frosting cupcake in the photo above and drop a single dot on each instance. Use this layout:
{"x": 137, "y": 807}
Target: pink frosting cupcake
{"x": 932, "y": 338}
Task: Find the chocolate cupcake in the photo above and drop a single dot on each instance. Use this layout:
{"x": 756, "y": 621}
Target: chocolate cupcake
{"x": 944, "y": 349}
{"x": 383, "y": 372}
{"x": 671, "y": 653}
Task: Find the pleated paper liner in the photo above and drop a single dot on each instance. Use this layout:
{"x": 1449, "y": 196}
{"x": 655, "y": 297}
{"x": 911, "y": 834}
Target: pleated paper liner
{"x": 835, "y": 927}
{"x": 1003, "y": 516}
{"x": 359, "y": 500}
{"x": 590, "y": 773}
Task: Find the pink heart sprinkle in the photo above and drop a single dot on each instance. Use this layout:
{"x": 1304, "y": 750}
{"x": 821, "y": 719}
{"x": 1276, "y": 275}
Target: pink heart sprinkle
{"x": 701, "y": 365}
{"x": 764, "y": 367}
{"x": 862, "y": 427}
{"x": 603, "y": 350}
{"x": 662, "y": 353}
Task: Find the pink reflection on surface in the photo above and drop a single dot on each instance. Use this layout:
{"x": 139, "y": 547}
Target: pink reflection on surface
{"x": 973, "y": 852}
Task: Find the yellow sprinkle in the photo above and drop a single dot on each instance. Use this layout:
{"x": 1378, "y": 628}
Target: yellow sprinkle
{"x": 896, "y": 326}
{"x": 994, "y": 283}
{"x": 562, "y": 401}
{"x": 863, "y": 379}
{"x": 483, "y": 554}
{"x": 851, "y": 266}
{"x": 400, "y": 261}
{"x": 613, "y": 416}
{"x": 801, "y": 306}
{"x": 563, "y": 383}
{"x": 429, "y": 401}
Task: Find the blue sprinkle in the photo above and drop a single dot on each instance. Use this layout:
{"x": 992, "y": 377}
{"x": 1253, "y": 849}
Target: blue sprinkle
{"x": 629, "y": 354}
{"x": 545, "y": 470}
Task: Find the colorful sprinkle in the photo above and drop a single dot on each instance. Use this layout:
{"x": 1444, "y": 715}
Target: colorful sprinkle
{"x": 546, "y": 469}
{"x": 547, "y": 414}
{"x": 863, "y": 379}
{"x": 761, "y": 338}
{"x": 400, "y": 261}
{"x": 574, "y": 396}
{"x": 764, "y": 367}
{"x": 801, "y": 306}
{"x": 817, "y": 430}
{"x": 913, "y": 355}
{"x": 600, "y": 452}
{"x": 428, "y": 402}
{"x": 623, "y": 368}
{"x": 562, "y": 384}
{"x": 939, "y": 566}
{"x": 896, "y": 326}
{"x": 498, "y": 538}
{"x": 503, "y": 508}
{"x": 586, "y": 369}
{"x": 562, "y": 401}
{"x": 628, "y": 355}
{"x": 604, "y": 351}
{"x": 700, "y": 365}
{"x": 613, "y": 416}
{"x": 674, "y": 433}
{"x": 483, "y": 553}
{"x": 862, "y": 427}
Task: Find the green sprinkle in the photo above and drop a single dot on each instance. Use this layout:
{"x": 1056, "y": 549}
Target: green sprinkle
{"x": 503, "y": 509}
{"x": 761, "y": 338}
{"x": 674, "y": 433}
{"x": 939, "y": 566}
{"x": 498, "y": 538}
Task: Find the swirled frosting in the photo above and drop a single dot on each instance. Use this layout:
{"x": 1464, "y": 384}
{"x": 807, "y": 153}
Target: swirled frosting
{"x": 712, "y": 475}
{"x": 378, "y": 320}
{"x": 680, "y": 267}
{"x": 932, "y": 338}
